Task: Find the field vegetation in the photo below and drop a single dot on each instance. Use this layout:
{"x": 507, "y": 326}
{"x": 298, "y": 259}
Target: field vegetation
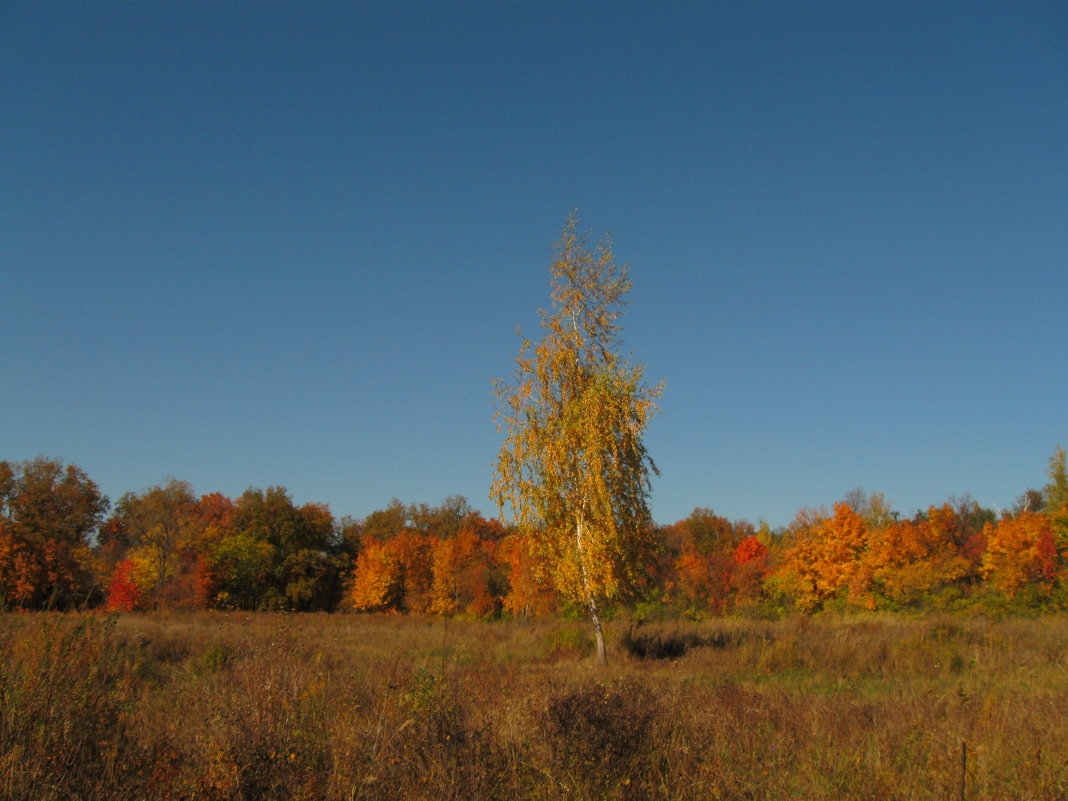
{"x": 232, "y": 705}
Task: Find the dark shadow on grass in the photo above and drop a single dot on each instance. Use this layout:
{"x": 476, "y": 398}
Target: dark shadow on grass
{"x": 675, "y": 644}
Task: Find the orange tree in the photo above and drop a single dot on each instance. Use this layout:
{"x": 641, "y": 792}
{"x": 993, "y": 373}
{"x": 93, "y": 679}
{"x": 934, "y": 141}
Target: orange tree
{"x": 1020, "y": 551}
{"x": 906, "y": 559}
{"x": 528, "y": 593}
{"x": 821, "y": 560}
{"x": 704, "y": 568}
{"x": 463, "y": 572}
{"x": 395, "y": 574}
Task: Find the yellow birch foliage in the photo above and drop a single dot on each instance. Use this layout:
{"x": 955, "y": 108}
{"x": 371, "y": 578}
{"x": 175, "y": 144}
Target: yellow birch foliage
{"x": 573, "y": 472}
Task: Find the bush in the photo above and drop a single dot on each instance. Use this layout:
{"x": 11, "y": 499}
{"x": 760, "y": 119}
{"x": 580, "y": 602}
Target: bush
{"x": 601, "y": 735}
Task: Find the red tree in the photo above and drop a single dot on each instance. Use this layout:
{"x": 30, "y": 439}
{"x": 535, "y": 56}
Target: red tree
{"x": 123, "y": 594}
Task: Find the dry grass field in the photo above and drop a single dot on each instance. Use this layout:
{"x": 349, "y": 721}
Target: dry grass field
{"x": 237, "y": 706}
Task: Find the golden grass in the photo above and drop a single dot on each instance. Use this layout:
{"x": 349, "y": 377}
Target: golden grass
{"x": 237, "y": 706}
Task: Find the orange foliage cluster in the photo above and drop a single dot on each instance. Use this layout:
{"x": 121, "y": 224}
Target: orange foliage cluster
{"x": 48, "y": 513}
{"x": 903, "y": 562}
{"x": 1020, "y": 552}
{"x": 479, "y": 572}
{"x": 713, "y": 563}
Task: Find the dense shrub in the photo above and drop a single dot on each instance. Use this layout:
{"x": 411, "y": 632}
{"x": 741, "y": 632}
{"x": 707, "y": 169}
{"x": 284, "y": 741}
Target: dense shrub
{"x": 601, "y": 736}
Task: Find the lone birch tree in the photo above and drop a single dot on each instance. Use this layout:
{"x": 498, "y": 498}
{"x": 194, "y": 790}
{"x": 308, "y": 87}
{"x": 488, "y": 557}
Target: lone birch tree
{"x": 573, "y": 472}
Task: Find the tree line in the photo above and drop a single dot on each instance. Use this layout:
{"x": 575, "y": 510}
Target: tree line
{"x": 64, "y": 546}
{"x": 573, "y": 477}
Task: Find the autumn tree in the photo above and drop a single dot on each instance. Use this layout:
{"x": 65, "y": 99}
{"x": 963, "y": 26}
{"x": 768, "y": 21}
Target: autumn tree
{"x": 573, "y": 471}
{"x": 123, "y": 594}
{"x": 1020, "y": 551}
{"x": 963, "y": 520}
{"x": 463, "y": 567}
{"x": 529, "y": 593}
{"x": 155, "y": 526}
{"x": 49, "y": 513}
{"x": 704, "y": 566}
{"x": 414, "y": 554}
{"x": 209, "y": 525}
{"x": 395, "y": 574}
{"x": 751, "y": 567}
{"x": 377, "y": 580}
{"x": 821, "y": 560}
{"x": 906, "y": 559}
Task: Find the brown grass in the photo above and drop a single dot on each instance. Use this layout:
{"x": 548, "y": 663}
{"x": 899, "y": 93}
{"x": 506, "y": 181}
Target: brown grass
{"x": 233, "y": 706}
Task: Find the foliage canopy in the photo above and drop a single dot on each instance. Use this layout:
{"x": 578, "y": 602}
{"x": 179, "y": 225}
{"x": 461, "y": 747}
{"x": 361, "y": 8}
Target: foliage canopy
{"x": 573, "y": 471}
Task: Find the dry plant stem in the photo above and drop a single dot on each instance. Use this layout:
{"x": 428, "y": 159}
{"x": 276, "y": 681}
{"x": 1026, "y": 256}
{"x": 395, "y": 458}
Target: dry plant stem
{"x": 963, "y": 766}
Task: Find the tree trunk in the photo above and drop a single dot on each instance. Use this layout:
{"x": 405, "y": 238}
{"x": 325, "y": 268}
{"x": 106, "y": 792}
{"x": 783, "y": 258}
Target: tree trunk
{"x": 591, "y": 601}
{"x": 598, "y": 635}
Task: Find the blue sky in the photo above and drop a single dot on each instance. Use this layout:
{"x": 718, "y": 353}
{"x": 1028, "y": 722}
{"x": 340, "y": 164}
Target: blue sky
{"x": 254, "y": 244}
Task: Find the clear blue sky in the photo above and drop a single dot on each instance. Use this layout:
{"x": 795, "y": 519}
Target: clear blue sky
{"x": 254, "y": 244}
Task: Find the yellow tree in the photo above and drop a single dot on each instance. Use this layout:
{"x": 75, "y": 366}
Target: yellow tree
{"x": 573, "y": 472}
{"x": 377, "y": 578}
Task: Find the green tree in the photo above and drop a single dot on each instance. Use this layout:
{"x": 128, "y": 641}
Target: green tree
{"x": 285, "y": 557}
{"x": 384, "y": 524}
{"x": 573, "y": 472}
{"x": 1056, "y": 492}
{"x": 1056, "y": 496}
{"x": 446, "y": 520}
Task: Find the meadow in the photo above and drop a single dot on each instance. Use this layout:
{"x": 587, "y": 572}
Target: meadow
{"x": 315, "y": 706}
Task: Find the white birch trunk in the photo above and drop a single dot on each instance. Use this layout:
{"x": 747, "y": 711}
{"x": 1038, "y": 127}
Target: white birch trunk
{"x": 591, "y": 602}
